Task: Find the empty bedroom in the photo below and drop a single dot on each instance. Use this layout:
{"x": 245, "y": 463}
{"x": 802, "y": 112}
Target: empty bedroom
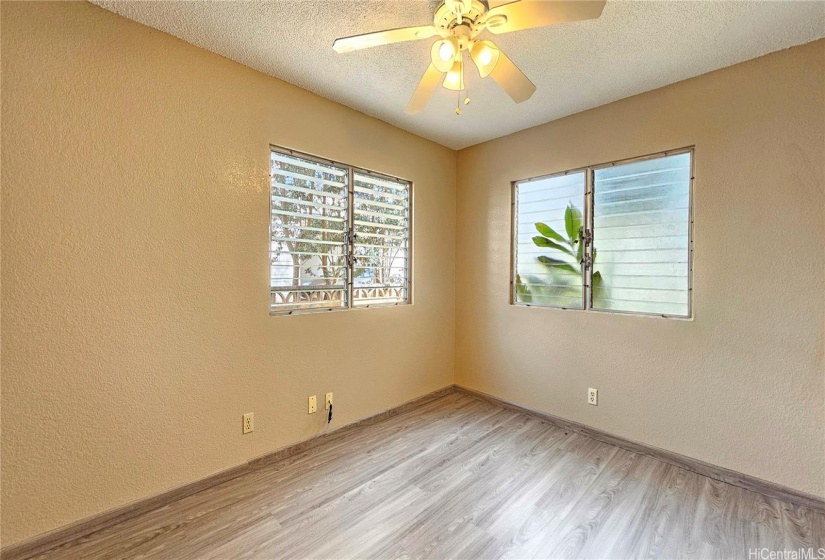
{"x": 437, "y": 279}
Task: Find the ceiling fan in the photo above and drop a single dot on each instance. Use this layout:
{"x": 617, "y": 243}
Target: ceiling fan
{"x": 457, "y": 23}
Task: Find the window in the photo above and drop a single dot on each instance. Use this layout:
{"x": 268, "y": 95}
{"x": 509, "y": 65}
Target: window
{"x": 614, "y": 237}
{"x": 381, "y": 231}
{"x": 549, "y": 248}
{"x": 339, "y": 236}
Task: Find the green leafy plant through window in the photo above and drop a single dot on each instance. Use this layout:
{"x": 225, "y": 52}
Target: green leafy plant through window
{"x": 562, "y": 279}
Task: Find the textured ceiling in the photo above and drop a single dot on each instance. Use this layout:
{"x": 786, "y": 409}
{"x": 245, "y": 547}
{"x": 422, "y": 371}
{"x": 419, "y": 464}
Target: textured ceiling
{"x": 634, "y": 47}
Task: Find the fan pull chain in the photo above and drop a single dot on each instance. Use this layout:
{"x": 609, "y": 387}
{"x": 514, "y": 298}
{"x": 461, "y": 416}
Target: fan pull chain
{"x": 460, "y": 84}
{"x": 463, "y": 88}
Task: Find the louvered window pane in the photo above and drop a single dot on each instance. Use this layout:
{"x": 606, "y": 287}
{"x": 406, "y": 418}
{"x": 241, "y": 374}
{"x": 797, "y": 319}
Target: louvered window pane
{"x": 641, "y": 228}
{"x": 381, "y": 224}
{"x": 309, "y": 221}
{"x": 548, "y": 245}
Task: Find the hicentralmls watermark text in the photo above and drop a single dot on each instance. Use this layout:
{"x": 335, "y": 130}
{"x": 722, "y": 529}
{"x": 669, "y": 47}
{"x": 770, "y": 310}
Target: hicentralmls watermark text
{"x": 797, "y": 554}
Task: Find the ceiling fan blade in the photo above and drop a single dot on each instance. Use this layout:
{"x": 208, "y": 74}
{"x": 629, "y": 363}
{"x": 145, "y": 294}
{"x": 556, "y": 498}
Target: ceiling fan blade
{"x": 511, "y": 79}
{"x": 527, "y": 14}
{"x": 356, "y": 42}
{"x": 430, "y": 81}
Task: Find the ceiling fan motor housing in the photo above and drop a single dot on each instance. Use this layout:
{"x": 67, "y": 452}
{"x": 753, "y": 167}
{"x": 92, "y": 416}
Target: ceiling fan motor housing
{"x": 471, "y": 15}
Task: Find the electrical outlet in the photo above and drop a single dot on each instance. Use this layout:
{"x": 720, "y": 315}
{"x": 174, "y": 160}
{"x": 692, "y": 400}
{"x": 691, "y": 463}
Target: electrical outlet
{"x": 593, "y": 397}
{"x": 327, "y": 401}
{"x": 313, "y": 405}
{"x": 248, "y": 422}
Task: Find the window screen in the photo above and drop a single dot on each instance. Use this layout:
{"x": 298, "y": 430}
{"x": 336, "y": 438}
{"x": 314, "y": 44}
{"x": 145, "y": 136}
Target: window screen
{"x": 612, "y": 237}
{"x": 548, "y": 248}
{"x": 339, "y": 236}
{"x": 641, "y": 229}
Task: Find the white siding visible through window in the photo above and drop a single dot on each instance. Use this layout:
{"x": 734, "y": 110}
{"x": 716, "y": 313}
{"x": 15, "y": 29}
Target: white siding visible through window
{"x": 641, "y": 229}
{"x": 339, "y": 236}
{"x": 610, "y": 238}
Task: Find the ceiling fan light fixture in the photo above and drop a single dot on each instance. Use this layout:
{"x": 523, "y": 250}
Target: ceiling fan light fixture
{"x": 443, "y": 53}
{"x": 485, "y": 55}
{"x": 454, "y": 79}
{"x": 457, "y": 23}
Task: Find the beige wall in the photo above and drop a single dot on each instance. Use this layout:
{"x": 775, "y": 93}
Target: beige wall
{"x": 742, "y": 385}
{"x": 134, "y": 288}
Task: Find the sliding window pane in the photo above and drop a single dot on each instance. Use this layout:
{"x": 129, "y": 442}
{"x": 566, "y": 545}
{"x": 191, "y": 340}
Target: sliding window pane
{"x": 641, "y": 228}
{"x": 548, "y": 241}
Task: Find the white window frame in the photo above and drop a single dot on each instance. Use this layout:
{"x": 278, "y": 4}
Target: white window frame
{"x": 589, "y": 172}
{"x": 351, "y": 171}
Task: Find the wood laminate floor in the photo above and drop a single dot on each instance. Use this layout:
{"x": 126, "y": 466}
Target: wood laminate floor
{"x": 462, "y": 478}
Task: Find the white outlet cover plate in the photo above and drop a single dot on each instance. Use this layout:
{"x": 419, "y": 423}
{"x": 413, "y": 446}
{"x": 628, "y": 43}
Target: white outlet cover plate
{"x": 593, "y": 396}
{"x": 248, "y": 422}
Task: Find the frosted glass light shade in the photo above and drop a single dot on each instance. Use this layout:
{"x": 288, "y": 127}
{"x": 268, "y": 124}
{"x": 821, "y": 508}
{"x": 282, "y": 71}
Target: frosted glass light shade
{"x": 454, "y": 79}
{"x": 485, "y": 55}
{"x": 443, "y": 53}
